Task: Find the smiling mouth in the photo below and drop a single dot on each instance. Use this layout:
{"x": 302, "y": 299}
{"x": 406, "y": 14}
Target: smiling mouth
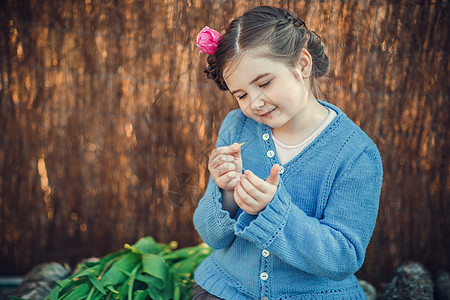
{"x": 267, "y": 114}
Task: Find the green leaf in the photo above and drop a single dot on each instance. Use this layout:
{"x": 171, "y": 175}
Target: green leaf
{"x": 154, "y": 293}
{"x": 91, "y": 293}
{"x": 180, "y": 254}
{"x": 151, "y": 281}
{"x": 54, "y": 293}
{"x": 189, "y": 264}
{"x": 126, "y": 263}
{"x": 95, "y": 270}
{"x": 112, "y": 256}
{"x": 154, "y": 265}
{"x": 185, "y": 253}
{"x": 78, "y": 292}
{"x": 167, "y": 292}
{"x": 140, "y": 295}
{"x": 112, "y": 289}
{"x": 135, "y": 250}
{"x": 177, "y": 293}
{"x": 65, "y": 282}
{"x": 147, "y": 245}
{"x": 96, "y": 283}
{"x": 123, "y": 291}
{"x": 131, "y": 282}
{"x": 108, "y": 296}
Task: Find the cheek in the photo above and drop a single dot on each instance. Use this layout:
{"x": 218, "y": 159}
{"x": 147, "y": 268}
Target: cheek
{"x": 244, "y": 107}
{"x": 293, "y": 90}
{"x": 246, "y": 110}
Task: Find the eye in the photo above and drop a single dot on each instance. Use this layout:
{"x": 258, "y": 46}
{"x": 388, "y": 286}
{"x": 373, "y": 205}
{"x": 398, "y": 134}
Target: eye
{"x": 264, "y": 84}
{"x": 240, "y": 97}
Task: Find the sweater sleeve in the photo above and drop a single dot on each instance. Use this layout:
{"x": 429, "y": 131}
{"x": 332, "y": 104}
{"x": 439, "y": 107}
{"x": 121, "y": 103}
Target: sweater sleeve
{"x": 214, "y": 225}
{"x": 333, "y": 246}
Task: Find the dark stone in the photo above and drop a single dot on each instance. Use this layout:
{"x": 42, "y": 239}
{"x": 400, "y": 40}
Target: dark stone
{"x": 442, "y": 285}
{"x": 411, "y": 281}
{"x": 39, "y": 282}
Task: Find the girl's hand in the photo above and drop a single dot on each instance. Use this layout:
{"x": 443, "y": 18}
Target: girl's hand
{"x": 252, "y": 193}
{"x": 225, "y": 166}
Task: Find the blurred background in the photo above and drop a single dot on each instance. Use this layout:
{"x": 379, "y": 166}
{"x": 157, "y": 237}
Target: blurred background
{"x": 107, "y": 121}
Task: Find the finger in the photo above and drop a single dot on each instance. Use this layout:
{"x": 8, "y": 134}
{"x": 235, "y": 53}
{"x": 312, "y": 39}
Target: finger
{"x": 236, "y": 150}
{"x": 219, "y": 160}
{"x": 225, "y": 168}
{"x": 242, "y": 199}
{"x": 251, "y": 189}
{"x": 257, "y": 182}
{"x": 227, "y": 181}
{"x": 232, "y": 182}
{"x": 219, "y": 169}
{"x": 229, "y": 176}
{"x": 231, "y": 149}
{"x": 274, "y": 177}
{"x": 225, "y": 150}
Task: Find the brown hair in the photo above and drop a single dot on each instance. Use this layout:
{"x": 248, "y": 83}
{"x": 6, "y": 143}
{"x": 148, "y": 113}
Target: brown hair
{"x": 276, "y": 30}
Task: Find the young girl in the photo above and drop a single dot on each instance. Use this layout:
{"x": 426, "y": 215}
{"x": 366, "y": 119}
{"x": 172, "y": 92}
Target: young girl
{"x": 290, "y": 212}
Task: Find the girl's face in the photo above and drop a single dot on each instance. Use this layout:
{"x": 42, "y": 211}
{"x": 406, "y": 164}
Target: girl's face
{"x": 267, "y": 91}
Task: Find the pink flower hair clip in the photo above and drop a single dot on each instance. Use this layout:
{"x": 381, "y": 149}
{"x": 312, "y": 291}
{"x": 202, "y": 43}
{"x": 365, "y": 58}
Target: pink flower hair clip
{"x": 207, "y": 40}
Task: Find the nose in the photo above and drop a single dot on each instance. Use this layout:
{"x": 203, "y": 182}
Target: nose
{"x": 257, "y": 101}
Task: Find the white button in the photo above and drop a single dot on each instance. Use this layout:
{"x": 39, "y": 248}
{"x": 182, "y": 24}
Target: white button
{"x": 264, "y": 276}
{"x": 265, "y": 298}
{"x": 270, "y": 153}
{"x": 281, "y": 170}
{"x": 266, "y": 136}
{"x": 265, "y": 253}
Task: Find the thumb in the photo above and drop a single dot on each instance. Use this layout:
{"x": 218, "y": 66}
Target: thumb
{"x": 274, "y": 177}
{"x": 237, "y": 150}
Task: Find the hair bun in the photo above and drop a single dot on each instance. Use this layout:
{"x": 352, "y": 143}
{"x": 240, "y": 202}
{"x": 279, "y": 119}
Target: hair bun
{"x": 315, "y": 45}
{"x": 211, "y": 73}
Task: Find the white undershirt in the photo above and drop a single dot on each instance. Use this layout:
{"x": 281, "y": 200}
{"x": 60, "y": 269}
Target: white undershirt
{"x": 287, "y": 152}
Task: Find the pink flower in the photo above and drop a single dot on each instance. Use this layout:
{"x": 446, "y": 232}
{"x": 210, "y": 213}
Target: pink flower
{"x": 207, "y": 40}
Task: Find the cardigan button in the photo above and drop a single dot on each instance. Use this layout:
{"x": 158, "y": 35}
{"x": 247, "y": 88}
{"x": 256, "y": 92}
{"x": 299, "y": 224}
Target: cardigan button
{"x": 265, "y": 298}
{"x": 265, "y": 253}
{"x": 281, "y": 170}
{"x": 264, "y": 276}
{"x": 270, "y": 153}
{"x": 266, "y": 136}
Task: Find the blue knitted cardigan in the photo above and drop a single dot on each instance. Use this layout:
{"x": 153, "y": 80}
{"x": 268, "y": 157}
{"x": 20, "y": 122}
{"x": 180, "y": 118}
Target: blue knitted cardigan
{"x": 311, "y": 238}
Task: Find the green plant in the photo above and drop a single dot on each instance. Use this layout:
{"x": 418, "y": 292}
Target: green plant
{"x": 145, "y": 270}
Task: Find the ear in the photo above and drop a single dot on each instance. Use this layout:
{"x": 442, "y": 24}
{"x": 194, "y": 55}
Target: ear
{"x": 304, "y": 64}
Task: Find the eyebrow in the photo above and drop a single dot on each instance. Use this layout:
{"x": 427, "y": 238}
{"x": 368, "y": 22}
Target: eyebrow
{"x": 252, "y": 82}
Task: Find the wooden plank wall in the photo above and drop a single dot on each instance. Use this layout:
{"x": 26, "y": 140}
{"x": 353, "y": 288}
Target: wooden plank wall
{"x": 107, "y": 120}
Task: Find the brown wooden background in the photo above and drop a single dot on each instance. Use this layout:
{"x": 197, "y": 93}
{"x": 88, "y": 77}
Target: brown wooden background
{"x": 106, "y": 121}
